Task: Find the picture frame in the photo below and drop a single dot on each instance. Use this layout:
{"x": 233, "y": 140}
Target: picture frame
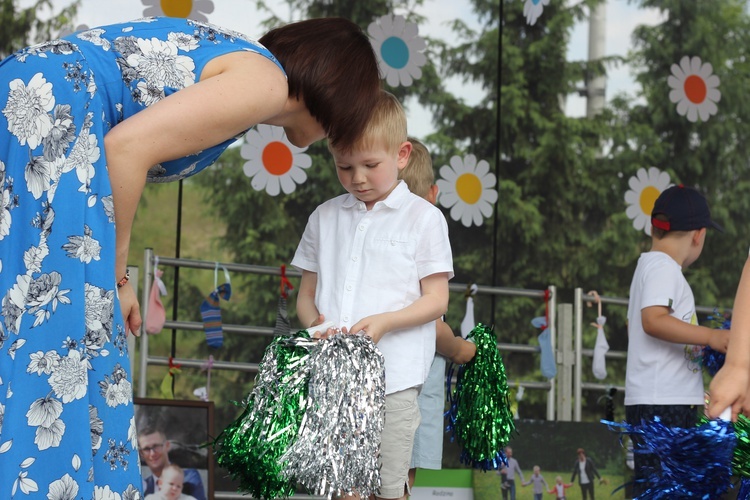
{"x": 176, "y": 432}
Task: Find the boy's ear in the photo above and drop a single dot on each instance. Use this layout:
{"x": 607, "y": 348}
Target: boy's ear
{"x": 698, "y": 235}
{"x": 432, "y": 194}
{"x": 404, "y": 152}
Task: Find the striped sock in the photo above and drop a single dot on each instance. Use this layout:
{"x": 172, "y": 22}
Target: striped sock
{"x": 211, "y": 314}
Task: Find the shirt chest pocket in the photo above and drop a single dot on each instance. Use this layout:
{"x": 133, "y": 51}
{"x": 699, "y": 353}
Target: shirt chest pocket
{"x": 391, "y": 260}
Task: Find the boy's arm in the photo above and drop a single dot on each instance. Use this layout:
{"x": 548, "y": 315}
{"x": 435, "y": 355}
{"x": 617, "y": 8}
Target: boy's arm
{"x": 730, "y": 385}
{"x": 658, "y": 323}
{"x": 307, "y": 311}
{"x": 458, "y": 350}
{"x": 431, "y": 305}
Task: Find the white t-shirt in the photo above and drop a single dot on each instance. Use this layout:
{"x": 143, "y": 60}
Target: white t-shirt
{"x": 370, "y": 262}
{"x": 659, "y": 372}
{"x": 582, "y": 472}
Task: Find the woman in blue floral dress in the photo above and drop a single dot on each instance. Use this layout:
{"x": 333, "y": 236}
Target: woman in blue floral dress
{"x": 85, "y": 121}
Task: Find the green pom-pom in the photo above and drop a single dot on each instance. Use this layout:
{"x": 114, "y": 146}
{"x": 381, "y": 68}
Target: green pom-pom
{"x": 250, "y": 447}
{"x": 741, "y": 457}
{"x": 480, "y": 415}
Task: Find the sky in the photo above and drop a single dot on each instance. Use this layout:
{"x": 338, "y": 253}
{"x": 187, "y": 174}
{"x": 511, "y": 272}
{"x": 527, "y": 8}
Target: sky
{"x": 241, "y": 15}
{"x": 622, "y": 17}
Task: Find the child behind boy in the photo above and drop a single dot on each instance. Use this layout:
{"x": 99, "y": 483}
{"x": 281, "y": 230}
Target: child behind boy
{"x": 661, "y": 379}
{"x": 540, "y": 484}
{"x": 428, "y": 440}
{"x": 170, "y": 485}
{"x": 377, "y": 260}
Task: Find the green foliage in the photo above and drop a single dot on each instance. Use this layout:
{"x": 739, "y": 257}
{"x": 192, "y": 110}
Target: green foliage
{"x": 710, "y": 155}
{"x": 22, "y": 27}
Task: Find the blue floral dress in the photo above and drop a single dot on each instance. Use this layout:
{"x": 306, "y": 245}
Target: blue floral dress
{"x": 67, "y": 427}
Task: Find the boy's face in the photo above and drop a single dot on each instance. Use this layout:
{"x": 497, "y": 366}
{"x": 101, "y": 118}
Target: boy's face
{"x": 170, "y": 484}
{"x": 370, "y": 175}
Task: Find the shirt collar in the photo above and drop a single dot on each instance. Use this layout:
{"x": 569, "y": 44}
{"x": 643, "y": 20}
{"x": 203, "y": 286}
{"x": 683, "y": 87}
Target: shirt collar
{"x": 394, "y": 200}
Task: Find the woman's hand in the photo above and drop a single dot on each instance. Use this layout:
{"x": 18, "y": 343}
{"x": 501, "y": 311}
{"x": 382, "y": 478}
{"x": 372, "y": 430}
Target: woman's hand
{"x": 131, "y": 313}
{"x": 728, "y": 388}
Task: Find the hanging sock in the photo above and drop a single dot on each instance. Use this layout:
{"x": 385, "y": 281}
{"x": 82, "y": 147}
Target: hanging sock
{"x": 283, "y": 327}
{"x": 547, "y": 363}
{"x": 211, "y": 311}
{"x": 547, "y": 359}
{"x": 599, "y": 365}
{"x": 468, "y": 324}
{"x": 155, "y": 315}
{"x": 600, "y": 350}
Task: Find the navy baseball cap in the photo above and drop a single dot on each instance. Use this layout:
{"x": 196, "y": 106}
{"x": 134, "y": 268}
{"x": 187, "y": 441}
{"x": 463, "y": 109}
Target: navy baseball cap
{"x": 684, "y": 208}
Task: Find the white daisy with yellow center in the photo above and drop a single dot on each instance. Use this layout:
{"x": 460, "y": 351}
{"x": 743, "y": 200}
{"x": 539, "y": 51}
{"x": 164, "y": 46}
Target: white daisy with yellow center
{"x": 694, "y": 89}
{"x": 186, "y": 9}
{"x": 399, "y": 49}
{"x": 645, "y": 188}
{"x": 273, "y": 163}
{"x": 533, "y": 9}
{"x": 466, "y": 188}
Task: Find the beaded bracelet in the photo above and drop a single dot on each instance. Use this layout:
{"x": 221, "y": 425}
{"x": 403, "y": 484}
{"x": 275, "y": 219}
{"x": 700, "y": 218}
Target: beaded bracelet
{"x": 124, "y": 279}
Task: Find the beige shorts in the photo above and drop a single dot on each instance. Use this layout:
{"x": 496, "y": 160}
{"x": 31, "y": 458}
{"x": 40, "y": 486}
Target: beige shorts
{"x": 396, "y": 443}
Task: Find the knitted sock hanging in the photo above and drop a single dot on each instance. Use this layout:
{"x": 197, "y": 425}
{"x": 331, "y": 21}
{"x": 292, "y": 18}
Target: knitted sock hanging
{"x": 211, "y": 311}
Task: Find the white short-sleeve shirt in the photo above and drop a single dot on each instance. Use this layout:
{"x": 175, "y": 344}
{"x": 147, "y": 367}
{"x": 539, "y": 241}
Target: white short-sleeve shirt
{"x": 371, "y": 262}
{"x": 660, "y": 372}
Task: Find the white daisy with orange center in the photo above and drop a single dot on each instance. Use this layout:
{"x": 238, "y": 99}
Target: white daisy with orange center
{"x": 694, "y": 89}
{"x": 466, "y": 188}
{"x": 186, "y": 9}
{"x": 273, "y": 163}
{"x": 645, "y": 188}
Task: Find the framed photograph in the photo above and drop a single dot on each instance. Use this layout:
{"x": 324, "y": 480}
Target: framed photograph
{"x": 175, "y": 433}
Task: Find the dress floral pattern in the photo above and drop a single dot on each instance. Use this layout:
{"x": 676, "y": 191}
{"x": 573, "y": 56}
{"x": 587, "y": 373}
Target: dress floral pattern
{"x": 67, "y": 429}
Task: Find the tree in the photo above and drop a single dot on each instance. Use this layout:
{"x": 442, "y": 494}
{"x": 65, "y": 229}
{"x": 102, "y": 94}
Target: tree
{"x": 21, "y": 27}
{"x": 711, "y": 155}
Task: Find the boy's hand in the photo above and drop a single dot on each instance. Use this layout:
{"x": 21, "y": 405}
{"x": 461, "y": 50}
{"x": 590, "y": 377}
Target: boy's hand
{"x": 466, "y": 351}
{"x": 719, "y": 340}
{"x": 374, "y": 326}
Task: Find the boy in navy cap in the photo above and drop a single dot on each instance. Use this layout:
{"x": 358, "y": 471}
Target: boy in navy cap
{"x": 662, "y": 377}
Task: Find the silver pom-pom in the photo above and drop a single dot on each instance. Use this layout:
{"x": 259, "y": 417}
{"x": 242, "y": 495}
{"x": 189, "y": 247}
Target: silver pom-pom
{"x": 338, "y": 440}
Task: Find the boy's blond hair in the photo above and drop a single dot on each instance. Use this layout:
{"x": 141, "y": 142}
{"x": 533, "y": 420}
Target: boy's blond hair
{"x": 386, "y": 128}
{"x": 418, "y": 173}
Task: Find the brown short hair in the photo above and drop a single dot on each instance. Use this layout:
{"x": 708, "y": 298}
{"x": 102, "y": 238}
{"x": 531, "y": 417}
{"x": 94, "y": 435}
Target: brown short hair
{"x": 386, "y": 127}
{"x": 331, "y": 66}
{"x": 418, "y": 173}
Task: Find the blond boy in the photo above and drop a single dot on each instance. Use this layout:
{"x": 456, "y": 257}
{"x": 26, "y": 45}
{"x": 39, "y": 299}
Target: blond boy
{"x": 378, "y": 260}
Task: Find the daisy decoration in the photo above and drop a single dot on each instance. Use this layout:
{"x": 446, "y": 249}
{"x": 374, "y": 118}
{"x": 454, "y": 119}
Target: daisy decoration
{"x": 186, "y": 9}
{"x": 466, "y": 188}
{"x": 694, "y": 89}
{"x": 532, "y": 9}
{"x": 645, "y": 188}
{"x": 399, "y": 49}
{"x": 273, "y": 163}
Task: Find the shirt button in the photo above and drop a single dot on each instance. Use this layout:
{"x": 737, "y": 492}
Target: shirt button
{"x": 346, "y": 318}
{"x": 393, "y": 243}
{"x": 361, "y": 227}
{"x": 355, "y": 258}
{"x": 349, "y": 287}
